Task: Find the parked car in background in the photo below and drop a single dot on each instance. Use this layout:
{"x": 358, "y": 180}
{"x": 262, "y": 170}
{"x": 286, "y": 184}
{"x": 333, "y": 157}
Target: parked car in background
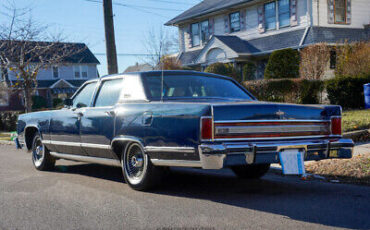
{"x": 146, "y": 121}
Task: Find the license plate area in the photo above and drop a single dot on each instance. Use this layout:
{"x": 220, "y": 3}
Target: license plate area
{"x": 292, "y": 161}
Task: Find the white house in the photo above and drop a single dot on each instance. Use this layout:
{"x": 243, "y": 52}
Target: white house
{"x": 239, "y": 30}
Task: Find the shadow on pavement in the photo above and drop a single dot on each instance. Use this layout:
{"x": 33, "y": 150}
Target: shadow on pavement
{"x": 333, "y": 205}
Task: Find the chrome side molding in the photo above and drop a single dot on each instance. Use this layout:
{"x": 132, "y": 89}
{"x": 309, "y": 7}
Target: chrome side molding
{"x": 95, "y": 160}
{"x": 177, "y": 163}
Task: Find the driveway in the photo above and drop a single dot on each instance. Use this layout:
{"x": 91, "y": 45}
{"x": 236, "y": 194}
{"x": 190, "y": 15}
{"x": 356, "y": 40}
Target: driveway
{"x": 88, "y": 196}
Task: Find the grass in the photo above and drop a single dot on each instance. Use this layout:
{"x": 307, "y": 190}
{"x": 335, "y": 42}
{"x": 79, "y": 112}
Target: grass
{"x": 355, "y": 170}
{"x": 355, "y": 120}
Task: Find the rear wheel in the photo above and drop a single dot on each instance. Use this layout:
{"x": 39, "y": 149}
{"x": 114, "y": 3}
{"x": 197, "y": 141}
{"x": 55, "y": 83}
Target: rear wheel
{"x": 138, "y": 171}
{"x": 251, "y": 171}
{"x": 41, "y": 158}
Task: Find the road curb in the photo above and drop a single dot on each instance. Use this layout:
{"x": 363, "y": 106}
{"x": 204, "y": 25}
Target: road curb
{"x": 357, "y": 135}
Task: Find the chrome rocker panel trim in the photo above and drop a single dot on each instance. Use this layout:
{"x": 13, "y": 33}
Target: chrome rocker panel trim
{"x": 95, "y": 160}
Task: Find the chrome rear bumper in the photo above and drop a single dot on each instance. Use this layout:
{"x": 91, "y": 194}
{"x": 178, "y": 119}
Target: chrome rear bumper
{"x": 217, "y": 156}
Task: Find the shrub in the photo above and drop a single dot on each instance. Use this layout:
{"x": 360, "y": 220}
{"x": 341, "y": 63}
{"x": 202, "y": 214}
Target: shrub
{"x": 347, "y": 91}
{"x": 39, "y": 102}
{"x": 283, "y": 64}
{"x": 353, "y": 59}
{"x": 225, "y": 69}
{"x": 287, "y": 90}
{"x": 57, "y": 102}
{"x": 249, "y": 71}
{"x": 314, "y": 61}
{"x": 8, "y": 121}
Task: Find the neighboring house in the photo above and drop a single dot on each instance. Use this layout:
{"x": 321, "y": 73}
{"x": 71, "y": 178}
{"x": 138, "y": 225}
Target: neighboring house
{"x": 139, "y": 68}
{"x": 236, "y": 31}
{"x": 58, "y": 81}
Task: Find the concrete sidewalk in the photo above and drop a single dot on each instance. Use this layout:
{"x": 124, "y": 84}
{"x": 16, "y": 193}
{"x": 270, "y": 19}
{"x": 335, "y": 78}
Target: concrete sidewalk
{"x": 362, "y": 148}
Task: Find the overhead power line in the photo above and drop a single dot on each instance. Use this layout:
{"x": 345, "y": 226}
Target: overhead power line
{"x": 127, "y": 54}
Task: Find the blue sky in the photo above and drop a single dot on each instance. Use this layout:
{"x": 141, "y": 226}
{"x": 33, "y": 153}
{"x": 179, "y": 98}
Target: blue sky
{"x": 82, "y": 21}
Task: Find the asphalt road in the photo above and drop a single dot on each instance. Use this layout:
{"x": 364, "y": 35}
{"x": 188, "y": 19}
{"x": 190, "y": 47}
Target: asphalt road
{"x": 88, "y": 196}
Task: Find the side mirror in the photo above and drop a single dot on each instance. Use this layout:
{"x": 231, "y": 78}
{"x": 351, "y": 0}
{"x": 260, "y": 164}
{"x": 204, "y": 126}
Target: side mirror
{"x": 68, "y": 102}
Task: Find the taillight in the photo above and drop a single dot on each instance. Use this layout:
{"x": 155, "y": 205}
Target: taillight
{"x": 336, "y": 125}
{"x": 206, "y": 128}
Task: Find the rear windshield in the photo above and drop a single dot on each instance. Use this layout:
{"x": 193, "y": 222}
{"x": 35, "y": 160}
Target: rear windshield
{"x": 190, "y": 86}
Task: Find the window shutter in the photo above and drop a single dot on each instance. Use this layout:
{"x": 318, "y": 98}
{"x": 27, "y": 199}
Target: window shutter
{"x": 261, "y": 19}
{"x": 226, "y": 23}
{"x": 188, "y": 36}
{"x": 293, "y": 13}
{"x": 348, "y": 12}
{"x": 242, "y": 20}
{"x": 330, "y": 11}
{"x": 211, "y": 26}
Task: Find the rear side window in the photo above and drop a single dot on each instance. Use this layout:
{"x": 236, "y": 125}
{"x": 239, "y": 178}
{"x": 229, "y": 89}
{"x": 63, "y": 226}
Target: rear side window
{"x": 83, "y": 98}
{"x": 109, "y": 93}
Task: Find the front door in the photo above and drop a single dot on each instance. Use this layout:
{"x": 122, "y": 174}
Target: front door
{"x": 65, "y": 123}
{"x": 98, "y": 121}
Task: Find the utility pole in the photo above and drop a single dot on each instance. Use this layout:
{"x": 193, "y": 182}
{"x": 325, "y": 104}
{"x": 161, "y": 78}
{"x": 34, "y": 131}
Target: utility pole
{"x": 110, "y": 41}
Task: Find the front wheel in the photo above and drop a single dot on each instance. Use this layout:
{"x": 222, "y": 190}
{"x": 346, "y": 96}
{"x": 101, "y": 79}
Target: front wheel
{"x": 251, "y": 171}
{"x": 138, "y": 171}
{"x": 41, "y": 158}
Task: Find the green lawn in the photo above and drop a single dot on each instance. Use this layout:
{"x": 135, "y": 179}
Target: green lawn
{"x": 356, "y": 120}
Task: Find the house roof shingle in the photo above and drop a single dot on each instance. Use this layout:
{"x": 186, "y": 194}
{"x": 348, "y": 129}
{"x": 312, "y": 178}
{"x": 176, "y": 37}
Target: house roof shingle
{"x": 80, "y": 53}
{"x": 205, "y": 7}
{"x": 188, "y": 58}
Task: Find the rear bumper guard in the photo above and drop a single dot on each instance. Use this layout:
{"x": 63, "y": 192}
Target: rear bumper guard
{"x": 214, "y": 156}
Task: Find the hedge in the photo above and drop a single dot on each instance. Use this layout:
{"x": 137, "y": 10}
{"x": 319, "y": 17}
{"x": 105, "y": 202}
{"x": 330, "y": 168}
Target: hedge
{"x": 283, "y": 64}
{"x": 300, "y": 91}
{"x": 347, "y": 91}
{"x": 225, "y": 69}
{"x": 8, "y": 121}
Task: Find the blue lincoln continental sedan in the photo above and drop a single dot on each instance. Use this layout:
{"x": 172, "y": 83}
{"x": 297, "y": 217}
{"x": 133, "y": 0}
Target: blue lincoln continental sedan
{"x": 147, "y": 121}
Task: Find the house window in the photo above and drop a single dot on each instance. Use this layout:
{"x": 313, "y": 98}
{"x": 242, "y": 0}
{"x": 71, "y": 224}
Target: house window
{"x": 340, "y": 11}
{"x": 55, "y": 72}
{"x": 234, "y": 22}
{"x": 84, "y": 71}
{"x": 270, "y": 15}
{"x": 76, "y": 70}
{"x": 195, "y": 34}
{"x": 204, "y": 29}
{"x": 284, "y": 13}
{"x": 333, "y": 59}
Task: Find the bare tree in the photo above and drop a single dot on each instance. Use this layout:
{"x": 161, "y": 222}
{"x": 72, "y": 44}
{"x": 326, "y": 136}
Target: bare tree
{"x": 314, "y": 61}
{"x": 159, "y": 43}
{"x": 353, "y": 59}
{"x": 26, "y": 47}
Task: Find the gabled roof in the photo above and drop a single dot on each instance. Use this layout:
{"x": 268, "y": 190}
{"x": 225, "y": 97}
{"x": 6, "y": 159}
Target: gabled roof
{"x": 82, "y": 53}
{"x": 188, "y": 58}
{"x": 205, "y": 7}
{"x": 237, "y": 44}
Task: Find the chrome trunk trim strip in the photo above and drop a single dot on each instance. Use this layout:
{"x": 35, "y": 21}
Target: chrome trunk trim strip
{"x": 257, "y": 121}
{"x": 95, "y": 160}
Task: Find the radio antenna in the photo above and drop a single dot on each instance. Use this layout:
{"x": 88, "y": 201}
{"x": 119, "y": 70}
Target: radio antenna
{"x": 162, "y": 69}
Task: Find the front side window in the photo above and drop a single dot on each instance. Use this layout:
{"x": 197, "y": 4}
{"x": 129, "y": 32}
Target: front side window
{"x": 84, "y": 96}
{"x": 55, "y": 72}
{"x": 109, "y": 93}
{"x": 235, "y": 22}
{"x": 192, "y": 87}
{"x": 340, "y": 11}
{"x": 284, "y": 13}
{"x": 270, "y": 16}
{"x": 204, "y": 31}
{"x": 195, "y": 34}
{"x": 76, "y": 71}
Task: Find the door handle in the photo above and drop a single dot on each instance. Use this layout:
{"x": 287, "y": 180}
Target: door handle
{"x": 110, "y": 113}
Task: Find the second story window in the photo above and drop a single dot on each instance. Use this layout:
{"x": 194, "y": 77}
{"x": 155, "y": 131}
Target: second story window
{"x": 84, "y": 71}
{"x": 76, "y": 71}
{"x": 204, "y": 29}
{"x": 55, "y": 72}
{"x": 234, "y": 22}
{"x": 270, "y": 15}
{"x": 340, "y": 11}
{"x": 284, "y": 13}
{"x": 195, "y": 34}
